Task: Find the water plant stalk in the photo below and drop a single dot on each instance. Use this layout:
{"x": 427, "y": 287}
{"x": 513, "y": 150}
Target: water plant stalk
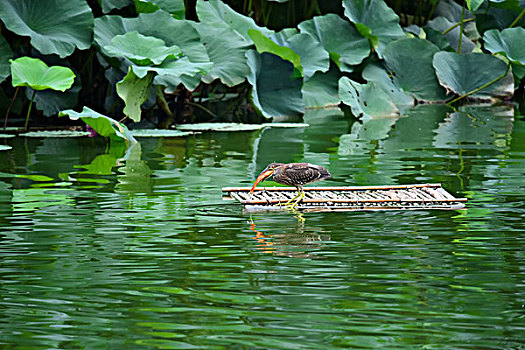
{"x": 10, "y": 106}
{"x": 481, "y": 87}
{"x": 29, "y": 110}
{"x": 461, "y": 26}
{"x": 457, "y": 24}
{"x": 522, "y": 13}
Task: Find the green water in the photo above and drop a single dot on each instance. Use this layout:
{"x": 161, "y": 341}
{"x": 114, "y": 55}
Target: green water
{"x": 107, "y": 250}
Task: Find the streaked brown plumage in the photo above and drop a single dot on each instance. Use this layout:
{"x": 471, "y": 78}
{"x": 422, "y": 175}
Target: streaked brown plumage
{"x": 293, "y": 174}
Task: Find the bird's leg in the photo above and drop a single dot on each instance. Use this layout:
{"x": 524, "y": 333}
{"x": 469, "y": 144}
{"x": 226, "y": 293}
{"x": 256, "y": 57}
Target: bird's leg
{"x": 299, "y": 197}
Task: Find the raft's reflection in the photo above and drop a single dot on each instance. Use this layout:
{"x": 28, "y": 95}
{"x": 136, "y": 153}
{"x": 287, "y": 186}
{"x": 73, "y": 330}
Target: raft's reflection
{"x": 299, "y": 241}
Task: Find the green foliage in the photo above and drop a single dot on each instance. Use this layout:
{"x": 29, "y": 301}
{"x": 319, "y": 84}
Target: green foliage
{"x": 104, "y": 126}
{"x": 364, "y": 59}
{"x": 58, "y": 27}
{"x": 5, "y": 55}
{"x": 410, "y": 62}
{"x": 134, "y": 91}
{"x": 32, "y": 72}
{"x": 343, "y": 43}
{"x": 140, "y": 49}
{"x": 375, "y": 21}
{"x": 174, "y": 7}
{"x": 464, "y": 73}
{"x": 264, "y": 44}
{"x": 276, "y": 92}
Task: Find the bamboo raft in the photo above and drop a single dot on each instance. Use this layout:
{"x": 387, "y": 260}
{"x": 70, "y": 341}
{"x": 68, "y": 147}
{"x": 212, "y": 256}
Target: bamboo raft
{"x": 353, "y": 198}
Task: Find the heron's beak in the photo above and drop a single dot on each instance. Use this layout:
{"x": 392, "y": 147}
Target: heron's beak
{"x": 261, "y": 177}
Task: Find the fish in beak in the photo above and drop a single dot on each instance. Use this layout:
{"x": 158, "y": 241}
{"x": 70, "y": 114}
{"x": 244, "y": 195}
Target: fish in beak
{"x": 262, "y": 176}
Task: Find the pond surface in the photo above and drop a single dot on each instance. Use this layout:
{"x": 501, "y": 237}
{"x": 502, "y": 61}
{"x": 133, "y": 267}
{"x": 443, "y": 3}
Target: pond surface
{"x": 104, "y": 249}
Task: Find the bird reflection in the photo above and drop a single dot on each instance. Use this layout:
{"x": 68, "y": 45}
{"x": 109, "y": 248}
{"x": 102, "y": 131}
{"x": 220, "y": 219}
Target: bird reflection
{"x": 298, "y": 243}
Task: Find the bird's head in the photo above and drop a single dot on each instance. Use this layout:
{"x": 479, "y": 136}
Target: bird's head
{"x": 267, "y": 172}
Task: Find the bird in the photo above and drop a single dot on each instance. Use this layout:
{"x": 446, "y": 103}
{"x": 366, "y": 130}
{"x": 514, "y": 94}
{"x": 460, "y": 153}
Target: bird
{"x": 293, "y": 174}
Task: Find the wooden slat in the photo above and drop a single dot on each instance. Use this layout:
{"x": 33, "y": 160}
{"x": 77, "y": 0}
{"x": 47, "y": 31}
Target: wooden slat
{"x": 423, "y": 196}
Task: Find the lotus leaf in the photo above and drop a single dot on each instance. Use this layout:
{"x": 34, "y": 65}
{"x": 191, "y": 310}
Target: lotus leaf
{"x": 108, "y": 5}
{"x": 5, "y": 55}
{"x": 103, "y": 125}
{"x": 174, "y": 7}
{"x": 55, "y": 28}
{"x": 313, "y": 56}
{"x": 376, "y": 73}
{"x": 227, "y": 51}
{"x": 50, "y": 102}
{"x": 217, "y": 14}
{"x": 140, "y": 49}
{"x": 322, "y": 89}
{"x": 5, "y": 148}
{"x": 55, "y": 133}
{"x": 410, "y": 63}
{"x": 32, "y": 72}
{"x": 187, "y": 38}
{"x": 375, "y": 21}
{"x": 134, "y": 91}
{"x": 441, "y": 24}
{"x": 473, "y": 5}
{"x": 285, "y": 125}
{"x": 343, "y": 43}
{"x": 368, "y": 100}
{"x": 172, "y": 73}
{"x": 465, "y": 73}
{"x": 264, "y": 44}
{"x": 275, "y": 92}
{"x": 510, "y": 41}
{"x": 219, "y": 127}
{"x": 159, "y": 133}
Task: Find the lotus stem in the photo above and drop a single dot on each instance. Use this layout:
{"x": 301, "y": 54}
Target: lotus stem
{"x": 522, "y": 13}
{"x": 29, "y": 110}
{"x": 10, "y": 106}
{"x": 457, "y": 24}
{"x": 481, "y": 87}
{"x": 461, "y": 26}
{"x": 202, "y": 107}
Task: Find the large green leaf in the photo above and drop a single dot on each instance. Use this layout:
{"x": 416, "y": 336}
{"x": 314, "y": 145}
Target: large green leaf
{"x": 227, "y": 51}
{"x": 218, "y": 14}
{"x": 160, "y": 25}
{"x": 265, "y": 44}
{"x": 140, "y": 49}
{"x": 321, "y": 90}
{"x": 313, "y": 56}
{"x": 442, "y": 24}
{"x": 510, "y": 42}
{"x": 32, "y": 72}
{"x": 367, "y": 100}
{"x": 104, "y": 126}
{"x": 473, "y": 5}
{"x": 108, "y": 5}
{"x": 50, "y": 102}
{"x": 377, "y": 74}
{"x": 410, "y": 63}
{"x": 174, "y": 7}
{"x": 342, "y": 42}
{"x": 464, "y": 73}
{"x": 5, "y": 55}
{"x": 55, "y": 27}
{"x": 375, "y": 21}
{"x": 134, "y": 91}
{"x": 172, "y": 73}
{"x": 187, "y": 38}
{"x": 275, "y": 92}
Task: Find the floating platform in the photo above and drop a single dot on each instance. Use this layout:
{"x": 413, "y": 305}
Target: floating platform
{"x": 352, "y": 198}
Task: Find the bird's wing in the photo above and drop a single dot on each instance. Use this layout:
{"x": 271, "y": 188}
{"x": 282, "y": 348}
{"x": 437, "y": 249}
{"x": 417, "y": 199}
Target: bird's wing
{"x": 303, "y": 173}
